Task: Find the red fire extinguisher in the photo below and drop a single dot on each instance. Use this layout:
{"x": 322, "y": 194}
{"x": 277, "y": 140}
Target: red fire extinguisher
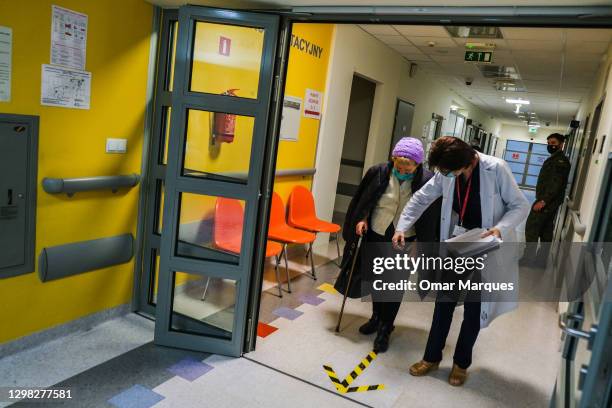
{"x": 225, "y": 123}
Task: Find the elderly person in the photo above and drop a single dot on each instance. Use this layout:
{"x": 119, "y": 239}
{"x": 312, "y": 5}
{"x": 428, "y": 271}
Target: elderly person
{"x": 478, "y": 191}
{"x": 373, "y": 213}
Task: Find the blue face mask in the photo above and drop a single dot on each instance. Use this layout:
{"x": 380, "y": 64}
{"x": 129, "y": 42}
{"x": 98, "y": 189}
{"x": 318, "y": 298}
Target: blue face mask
{"x": 450, "y": 175}
{"x": 402, "y": 177}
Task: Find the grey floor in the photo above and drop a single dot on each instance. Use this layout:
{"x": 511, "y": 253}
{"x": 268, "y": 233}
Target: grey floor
{"x": 516, "y": 359}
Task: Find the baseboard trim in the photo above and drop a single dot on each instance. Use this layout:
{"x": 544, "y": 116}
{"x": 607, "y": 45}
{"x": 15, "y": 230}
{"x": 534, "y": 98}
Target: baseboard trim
{"x": 83, "y": 324}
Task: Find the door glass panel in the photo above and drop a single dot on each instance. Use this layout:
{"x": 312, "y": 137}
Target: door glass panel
{"x": 539, "y": 148}
{"x": 165, "y": 134}
{"x": 531, "y": 181}
{"x": 516, "y": 167}
{"x": 534, "y": 170}
{"x": 155, "y": 281}
{"x": 517, "y": 146}
{"x": 518, "y": 178}
{"x": 226, "y": 59}
{"x": 210, "y": 227}
{"x": 218, "y": 145}
{"x": 174, "y": 36}
{"x": 160, "y": 207}
{"x": 537, "y": 159}
{"x": 202, "y": 299}
{"x": 515, "y": 157}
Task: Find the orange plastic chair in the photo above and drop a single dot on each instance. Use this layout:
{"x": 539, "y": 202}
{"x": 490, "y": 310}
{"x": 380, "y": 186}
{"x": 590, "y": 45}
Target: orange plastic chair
{"x": 227, "y": 233}
{"x": 302, "y": 214}
{"x": 278, "y": 230}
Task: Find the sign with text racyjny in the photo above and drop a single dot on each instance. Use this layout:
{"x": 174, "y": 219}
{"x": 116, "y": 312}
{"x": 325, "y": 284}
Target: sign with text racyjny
{"x": 479, "y": 56}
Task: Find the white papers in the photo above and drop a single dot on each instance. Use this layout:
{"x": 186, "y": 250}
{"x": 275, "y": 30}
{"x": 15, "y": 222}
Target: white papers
{"x": 471, "y": 243}
{"x": 290, "y": 122}
{"x": 68, "y": 38}
{"x": 64, "y": 87}
{"x": 312, "y": 104}
{"x": 6, "y": 46}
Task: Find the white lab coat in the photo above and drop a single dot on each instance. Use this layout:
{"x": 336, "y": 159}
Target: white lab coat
{"x": 503, "y": 206}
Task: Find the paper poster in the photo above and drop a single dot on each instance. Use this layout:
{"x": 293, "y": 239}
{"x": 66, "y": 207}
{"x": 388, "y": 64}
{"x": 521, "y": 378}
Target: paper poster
{"x": 290, "y": 121}
{"x": 6, "y": 46}
{"x": 312, "y": 104}
{"x": 68, "y": 38}
{"x": 65, "y": 87}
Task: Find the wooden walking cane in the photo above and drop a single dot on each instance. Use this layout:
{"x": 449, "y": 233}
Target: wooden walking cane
{"x": 348, "y": 285}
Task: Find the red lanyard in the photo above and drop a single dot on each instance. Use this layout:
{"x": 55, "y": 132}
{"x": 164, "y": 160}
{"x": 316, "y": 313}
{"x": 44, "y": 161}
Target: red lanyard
{"x": 465, "y": 199}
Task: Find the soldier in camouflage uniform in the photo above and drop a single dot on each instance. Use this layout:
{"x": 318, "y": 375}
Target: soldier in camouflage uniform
{"x": 549, "y": 196}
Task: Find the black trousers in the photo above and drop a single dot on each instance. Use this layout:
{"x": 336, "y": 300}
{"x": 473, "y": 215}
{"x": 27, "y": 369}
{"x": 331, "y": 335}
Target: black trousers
{"x": 539, "y": 226}
{"x": 440, "y": 325}
{"x": 386, "y": 311}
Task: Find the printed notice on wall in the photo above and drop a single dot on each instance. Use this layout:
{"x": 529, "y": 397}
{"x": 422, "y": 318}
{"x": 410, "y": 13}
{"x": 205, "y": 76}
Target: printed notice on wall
{"x": 312, "y": 104}
{"x": 68, "y": 38}
{"x": 65, "y": 87}
{"x": 290, "y": 122}
{"x": 6, "y": 46}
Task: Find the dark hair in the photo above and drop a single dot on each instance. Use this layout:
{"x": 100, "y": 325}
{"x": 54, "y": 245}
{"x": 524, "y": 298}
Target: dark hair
{"x": 557, "y": 136}
{"x": 450, "y": 153}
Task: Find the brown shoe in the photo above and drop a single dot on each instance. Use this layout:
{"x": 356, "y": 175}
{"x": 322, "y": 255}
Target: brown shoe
{"x": 422, "y": 368}
{"x": 457, "y": 376}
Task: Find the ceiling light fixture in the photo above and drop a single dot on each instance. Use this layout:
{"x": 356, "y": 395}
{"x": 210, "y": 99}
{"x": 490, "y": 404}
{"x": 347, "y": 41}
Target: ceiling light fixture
{"x": 518, "y": 101}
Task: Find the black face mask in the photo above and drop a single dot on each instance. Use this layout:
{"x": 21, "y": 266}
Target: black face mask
{"x": 552, "y": 149}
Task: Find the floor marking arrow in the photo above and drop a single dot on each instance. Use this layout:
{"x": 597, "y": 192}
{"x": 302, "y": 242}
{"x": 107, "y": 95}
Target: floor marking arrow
{"x": 343, "y": 386}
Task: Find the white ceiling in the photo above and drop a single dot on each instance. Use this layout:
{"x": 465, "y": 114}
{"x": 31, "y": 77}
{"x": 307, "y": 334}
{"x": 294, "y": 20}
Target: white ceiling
{"x": 430, "y": 3}
{"x": 556, "y": 66}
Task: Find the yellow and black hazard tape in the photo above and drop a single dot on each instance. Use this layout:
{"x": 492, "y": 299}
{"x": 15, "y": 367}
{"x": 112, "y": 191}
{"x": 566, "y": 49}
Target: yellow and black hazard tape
{"x": 334, "y": 378}
{"x": 343, "y": 386}
{"x": 359, "y": 369}
{"x": 364, "y": 388}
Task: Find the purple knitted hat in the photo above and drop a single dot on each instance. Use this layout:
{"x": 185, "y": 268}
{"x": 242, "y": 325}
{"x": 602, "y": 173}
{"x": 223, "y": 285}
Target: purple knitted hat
{"x": 410, "y": 148}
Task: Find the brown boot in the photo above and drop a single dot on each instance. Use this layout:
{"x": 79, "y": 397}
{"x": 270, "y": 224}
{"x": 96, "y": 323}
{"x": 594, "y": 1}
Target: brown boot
{"x": 457, "y": 376}
{"x": 422, "y": 368}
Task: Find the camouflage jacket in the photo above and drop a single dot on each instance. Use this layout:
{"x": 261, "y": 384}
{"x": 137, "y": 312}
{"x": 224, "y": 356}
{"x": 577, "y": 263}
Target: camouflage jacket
{"x": 552, "y": 180}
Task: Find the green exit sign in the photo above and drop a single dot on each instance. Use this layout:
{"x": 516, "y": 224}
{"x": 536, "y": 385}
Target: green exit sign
{"x": 479, "y": 56}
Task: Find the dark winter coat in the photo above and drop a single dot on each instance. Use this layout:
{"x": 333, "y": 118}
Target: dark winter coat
{"x": 371, "y": 188}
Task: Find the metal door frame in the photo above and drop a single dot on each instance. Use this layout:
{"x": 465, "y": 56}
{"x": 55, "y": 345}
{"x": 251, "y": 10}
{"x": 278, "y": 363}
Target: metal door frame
{"x": 32, "y": 122}
{"x": 212, "y": 265}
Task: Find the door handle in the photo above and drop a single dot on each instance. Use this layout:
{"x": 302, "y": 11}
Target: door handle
{"x": 579, "y": 334}
{"x": 10, "y": 197}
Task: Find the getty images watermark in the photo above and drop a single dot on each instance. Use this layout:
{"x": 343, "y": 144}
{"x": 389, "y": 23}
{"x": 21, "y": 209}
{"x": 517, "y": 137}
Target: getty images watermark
{"x": 412, "y": 264}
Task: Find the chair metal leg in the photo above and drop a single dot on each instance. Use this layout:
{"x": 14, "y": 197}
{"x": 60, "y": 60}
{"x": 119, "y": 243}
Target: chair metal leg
{"x": 287, "y": 269}
{"x": 307, "y": 252}
{"x": 312, "y": 267}
{"x": 205, "y": 288}
{"x": 278, "y": 282}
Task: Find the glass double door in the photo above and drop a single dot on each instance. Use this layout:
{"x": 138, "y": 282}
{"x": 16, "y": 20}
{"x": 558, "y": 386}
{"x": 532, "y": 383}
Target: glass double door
{"x": 221, "y": 83}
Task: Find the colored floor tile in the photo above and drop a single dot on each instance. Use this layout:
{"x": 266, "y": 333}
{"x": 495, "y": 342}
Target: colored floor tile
{"x": 190, "y": 368}
{"x": 264, "y": 330}
{"x": 326, "y": 287}
{"x": 287, "y": 313}
{"x": 136, "y": 397}
{"x": 312, "y": 300}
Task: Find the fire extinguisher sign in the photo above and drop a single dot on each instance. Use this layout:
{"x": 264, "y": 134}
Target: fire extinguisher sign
{"x": 224, "y": 46}
{"x": 312, "y": 104}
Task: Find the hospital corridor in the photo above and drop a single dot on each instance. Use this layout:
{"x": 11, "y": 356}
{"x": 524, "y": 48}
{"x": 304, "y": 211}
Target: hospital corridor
{"x": 300, "y": 203}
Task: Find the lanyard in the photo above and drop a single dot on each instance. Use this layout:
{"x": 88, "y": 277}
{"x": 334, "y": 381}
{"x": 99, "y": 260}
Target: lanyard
{"x": 465, "y": 199}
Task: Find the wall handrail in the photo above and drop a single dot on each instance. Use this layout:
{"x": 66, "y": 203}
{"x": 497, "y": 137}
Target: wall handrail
{"x": 579, "y": 227}
{"x": 70, "y": 186}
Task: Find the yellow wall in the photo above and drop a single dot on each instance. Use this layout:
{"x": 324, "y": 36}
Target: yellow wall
{"x": 304, "y": 71}
{"x": 216, "y": 74}
{"x": 72, "y": 144}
